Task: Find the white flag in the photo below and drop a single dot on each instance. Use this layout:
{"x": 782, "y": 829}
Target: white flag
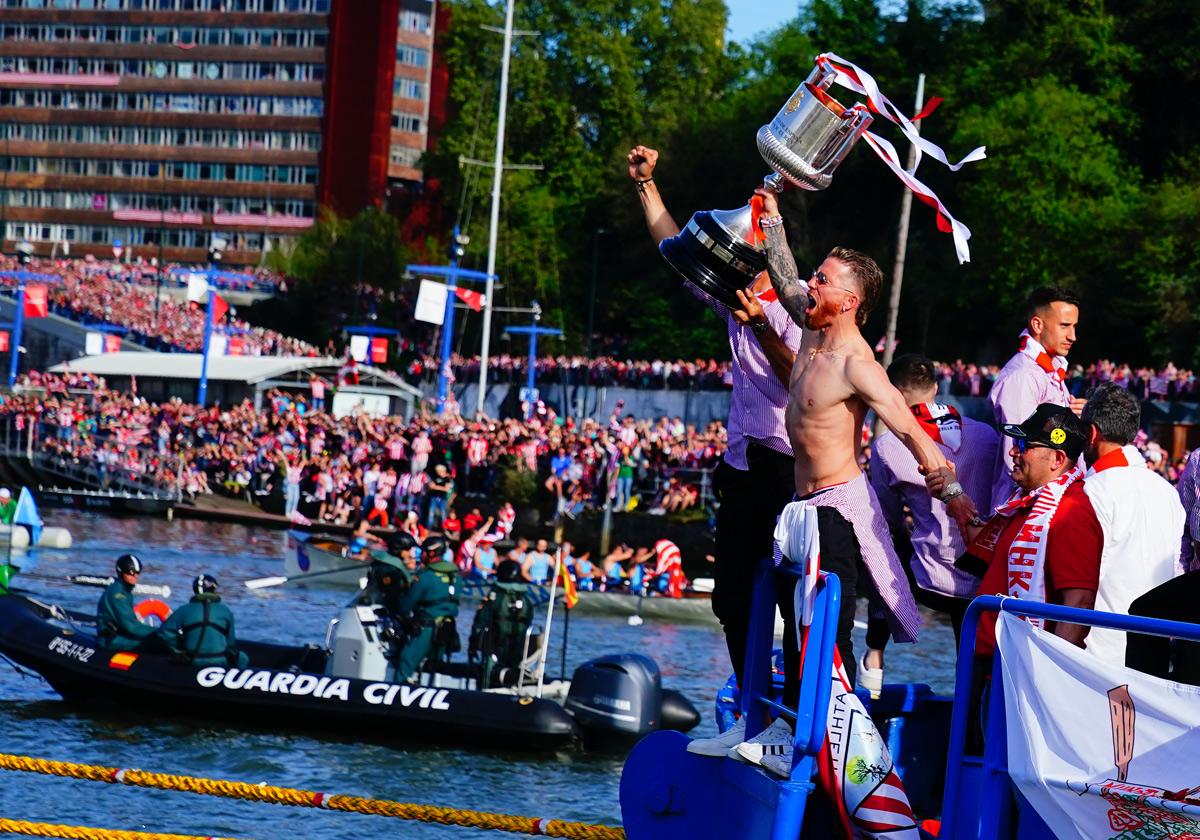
{"x": 431, "y": 302}
{"x": 360, "y": 345}
{"x": 1099, "y": 750}
{"x": 197, "y": 287}
{"x": 93, "y": 343}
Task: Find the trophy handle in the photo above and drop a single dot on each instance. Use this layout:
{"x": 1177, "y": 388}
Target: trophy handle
{"x": 857, "y": 119}
{"x": 775, "y": 183}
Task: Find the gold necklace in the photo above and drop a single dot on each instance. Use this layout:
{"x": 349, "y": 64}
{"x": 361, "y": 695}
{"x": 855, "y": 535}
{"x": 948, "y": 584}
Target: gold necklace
{"x": 812, "y": 354}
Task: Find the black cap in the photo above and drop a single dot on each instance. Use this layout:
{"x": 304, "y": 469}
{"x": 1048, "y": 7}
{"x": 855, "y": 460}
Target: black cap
{"x": 204, "y": 584}
{"x": 508, "y": 571}
{"x": 432, "y": 549}
{"x": 400, "y": 543}
{"x": 1055, "y": 427}
{"x": 129, "y": 564}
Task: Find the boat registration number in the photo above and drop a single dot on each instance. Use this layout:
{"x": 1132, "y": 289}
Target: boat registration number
{"x": 71, "y": 650}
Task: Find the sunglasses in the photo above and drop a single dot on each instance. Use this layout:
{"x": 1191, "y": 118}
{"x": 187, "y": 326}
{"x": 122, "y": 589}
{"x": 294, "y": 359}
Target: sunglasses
{"x": 1023, "y": 445}
{"x": 824, "y": 281}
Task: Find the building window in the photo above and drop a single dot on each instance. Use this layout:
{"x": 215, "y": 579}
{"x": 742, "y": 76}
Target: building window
{"x": 409, "y": 89}
{"x": 414, "y": 56}
{"x": 406, "y": 122}
{"x": 411, "y": 21}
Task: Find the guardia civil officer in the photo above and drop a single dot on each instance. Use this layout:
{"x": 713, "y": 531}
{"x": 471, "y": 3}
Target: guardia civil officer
{"x": 430, "y": 606}
{"x": 498, "y": 632}
{"x": 201, "y": 631}
{"x": 117, "y": 625}
{"x": 391, "y": 574}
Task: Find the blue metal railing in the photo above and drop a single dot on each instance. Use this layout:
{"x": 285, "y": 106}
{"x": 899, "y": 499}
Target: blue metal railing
{"x": 992, "y": 813}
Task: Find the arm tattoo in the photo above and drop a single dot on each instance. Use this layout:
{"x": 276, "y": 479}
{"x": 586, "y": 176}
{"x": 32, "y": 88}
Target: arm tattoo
{"x": 785, "y": 277}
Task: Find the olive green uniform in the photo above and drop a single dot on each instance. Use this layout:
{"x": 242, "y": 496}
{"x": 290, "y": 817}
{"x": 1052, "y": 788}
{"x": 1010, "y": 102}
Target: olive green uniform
{"x": 201, "y": 632}
{"x": 498, "y": 632}
{"x": 433, "y": 603}
{"x": 387, "y": 582}
{"x": 117, "y": 625}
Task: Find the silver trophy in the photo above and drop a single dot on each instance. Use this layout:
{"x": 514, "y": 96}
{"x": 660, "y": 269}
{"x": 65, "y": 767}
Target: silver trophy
{"x": 720, "y": 250}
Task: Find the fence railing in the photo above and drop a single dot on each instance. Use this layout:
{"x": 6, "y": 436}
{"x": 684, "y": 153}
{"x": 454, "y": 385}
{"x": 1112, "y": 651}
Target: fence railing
{"x": 65, "y": 461}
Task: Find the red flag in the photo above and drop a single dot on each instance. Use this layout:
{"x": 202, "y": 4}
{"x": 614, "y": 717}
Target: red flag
{"x": 379, "y": 348}
{"x": 112, "y": 344}
{"x": 35, "y": 302}
{"x": 3, "y": 341}
{"x": 236, "y": 346}
{"x": 568, "y": 585}
{"x": 220, "y": 307}
{"x": 471, "y": 299}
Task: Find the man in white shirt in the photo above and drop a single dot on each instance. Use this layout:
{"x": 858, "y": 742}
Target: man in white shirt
{"x": 1139, "y": 513}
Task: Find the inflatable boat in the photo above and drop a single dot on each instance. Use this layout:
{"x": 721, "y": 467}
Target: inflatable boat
{"x": 345, "y": 687}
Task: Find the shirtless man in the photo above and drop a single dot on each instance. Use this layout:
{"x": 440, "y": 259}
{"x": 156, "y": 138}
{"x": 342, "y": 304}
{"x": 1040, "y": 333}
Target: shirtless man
{"x": 834, "y": 381}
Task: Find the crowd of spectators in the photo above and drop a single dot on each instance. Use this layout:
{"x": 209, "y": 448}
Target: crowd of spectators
{"x": 92, "y": 293}
{"x": 340, "y": 469}
{"x": 1170, "y": 383}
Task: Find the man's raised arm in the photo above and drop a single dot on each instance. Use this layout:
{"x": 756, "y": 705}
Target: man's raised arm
{"x": 642, "y": 161}
{"x": 781, "y": 265}
{"x": 870, "y": 382}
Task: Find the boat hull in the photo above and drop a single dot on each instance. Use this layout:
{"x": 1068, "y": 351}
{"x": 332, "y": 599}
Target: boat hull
{"x": 284, "y": 687}
{"x": 323, "y": 553}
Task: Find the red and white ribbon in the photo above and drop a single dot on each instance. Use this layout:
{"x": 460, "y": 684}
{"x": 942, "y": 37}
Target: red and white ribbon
{"x": 851, "y": 76}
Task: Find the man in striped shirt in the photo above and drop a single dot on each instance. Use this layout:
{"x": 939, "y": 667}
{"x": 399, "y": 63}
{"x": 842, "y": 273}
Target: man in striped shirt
{"x": 754, "y": 481}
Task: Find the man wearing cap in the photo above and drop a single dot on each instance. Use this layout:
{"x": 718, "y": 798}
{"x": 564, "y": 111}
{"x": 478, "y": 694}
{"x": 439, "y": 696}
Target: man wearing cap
{"x": 1138, "y": 509}
{"x": 1044, "y": 542}
{"x": 390, "y": 574}
{"x": 201, "y": 631}
{"x": 117, "y": 625}
{"x": 8, "y": 506}
{"x": 1036, "y": 373}
{"x": 431, "y": 605}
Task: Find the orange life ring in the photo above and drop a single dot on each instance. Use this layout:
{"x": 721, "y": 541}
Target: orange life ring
{"x": 152, "y": 608}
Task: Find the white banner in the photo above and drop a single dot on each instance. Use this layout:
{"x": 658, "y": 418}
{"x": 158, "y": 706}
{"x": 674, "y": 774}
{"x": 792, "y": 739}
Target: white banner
{"x": 431, "y": 302}
{"x": 93, "y": 343}
{"x": 1100, "y": 751}
{"x": 360, "y": 346}
{"x": 197, "y": 287}
{"x": 217, "y": 344}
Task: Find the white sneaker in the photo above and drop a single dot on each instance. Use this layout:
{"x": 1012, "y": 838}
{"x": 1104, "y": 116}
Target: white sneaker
{"x": 776, "y": 739}
{"x": 779, "y": 765}
{"x": 719, "y": 746}
{"x": 870, "y": 678}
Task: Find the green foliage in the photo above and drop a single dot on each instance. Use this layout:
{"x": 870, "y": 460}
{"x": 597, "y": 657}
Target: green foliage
{"x": 1090, "y": 178}
{"x": 326, "y": 268}
{"x": 515, "y": 482}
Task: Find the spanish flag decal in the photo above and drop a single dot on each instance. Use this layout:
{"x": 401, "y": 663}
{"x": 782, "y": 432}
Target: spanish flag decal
{"x": 122, "y": 661}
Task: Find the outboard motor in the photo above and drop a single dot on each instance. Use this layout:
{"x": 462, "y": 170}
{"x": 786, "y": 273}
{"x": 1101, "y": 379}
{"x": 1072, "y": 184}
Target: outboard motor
{"x": 619, "y": 698}
{"x": 358, "y": 641}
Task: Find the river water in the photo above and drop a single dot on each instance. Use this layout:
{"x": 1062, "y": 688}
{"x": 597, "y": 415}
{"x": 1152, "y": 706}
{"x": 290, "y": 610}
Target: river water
{"x": 567, "y": 785}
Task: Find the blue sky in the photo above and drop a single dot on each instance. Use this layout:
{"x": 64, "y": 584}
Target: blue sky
{"x": 748, "y": 18}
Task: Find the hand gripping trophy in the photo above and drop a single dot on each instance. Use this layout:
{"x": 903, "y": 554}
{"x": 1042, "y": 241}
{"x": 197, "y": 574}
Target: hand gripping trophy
{"x": 720, "y": 250}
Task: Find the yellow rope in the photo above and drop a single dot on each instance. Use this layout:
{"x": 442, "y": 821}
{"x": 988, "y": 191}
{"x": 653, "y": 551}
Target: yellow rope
{"x": 76, "y": 832}
{"x": 314, "y": 799}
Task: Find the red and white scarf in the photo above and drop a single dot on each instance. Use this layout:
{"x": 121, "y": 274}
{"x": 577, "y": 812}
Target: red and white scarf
{"x": 1026, "y": 558}
{"x": 942, "y": 423}
{"x": 1055, "y": 366}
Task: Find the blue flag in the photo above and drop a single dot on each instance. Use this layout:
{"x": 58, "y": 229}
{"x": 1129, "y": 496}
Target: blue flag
{"x": 27, "y": 515}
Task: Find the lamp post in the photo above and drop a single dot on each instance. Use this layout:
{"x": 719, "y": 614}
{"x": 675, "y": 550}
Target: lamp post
{"x": 533, "y": 331}
{"x": 25, "y": 256}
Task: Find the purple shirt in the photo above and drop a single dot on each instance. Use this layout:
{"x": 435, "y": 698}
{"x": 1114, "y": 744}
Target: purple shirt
{"x": 1189, "y": 497}
{"x": 1018, "y": 390}
{"x": 936, "y": 541}
{"x": 758, "y": 400}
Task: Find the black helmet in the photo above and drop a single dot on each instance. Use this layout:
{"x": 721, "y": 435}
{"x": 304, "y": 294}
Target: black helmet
{"x": 509, "y": 571}
{"x": 204, "y": 583}
{"x": 401, "y": 543}
{"x": 432, "y": 549}
{"x": 128, "y": 564}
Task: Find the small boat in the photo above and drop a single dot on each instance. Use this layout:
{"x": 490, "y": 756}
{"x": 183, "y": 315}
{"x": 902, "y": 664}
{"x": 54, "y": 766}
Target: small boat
{"x": 345, "y": 687}
{"x": 108, "y": 501}
{"x": 324, "y": 553}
